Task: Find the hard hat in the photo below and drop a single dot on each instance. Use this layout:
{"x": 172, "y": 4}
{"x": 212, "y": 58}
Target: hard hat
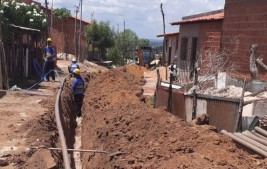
{"x": 76, "y": 71}
{"x": 74, "y": 60}
{"x": 49, "y": 40}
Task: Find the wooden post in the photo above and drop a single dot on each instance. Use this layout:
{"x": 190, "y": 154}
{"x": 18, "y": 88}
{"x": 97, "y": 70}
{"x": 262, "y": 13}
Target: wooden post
{"x": 194, "y": 110}
{"x": 169, "y": 108}
{"x": 259, "y": 61}
{"x": 240, "y": 107}
{"x": 252, "y": 62}
{"x": 164, "y": 44}
{"x": 3, "y": 64}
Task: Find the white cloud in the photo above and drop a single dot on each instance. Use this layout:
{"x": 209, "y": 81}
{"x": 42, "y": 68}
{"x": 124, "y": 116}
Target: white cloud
{"x": 142, "y": 16}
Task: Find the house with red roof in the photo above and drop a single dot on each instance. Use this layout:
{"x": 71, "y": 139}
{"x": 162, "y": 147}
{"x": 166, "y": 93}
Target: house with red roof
{"x": 197, "y": 32}
{"x": 241, "y": 20}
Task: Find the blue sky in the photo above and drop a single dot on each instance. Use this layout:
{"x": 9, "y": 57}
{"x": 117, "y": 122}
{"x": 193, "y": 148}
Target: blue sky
{"x": 142, "y": 16}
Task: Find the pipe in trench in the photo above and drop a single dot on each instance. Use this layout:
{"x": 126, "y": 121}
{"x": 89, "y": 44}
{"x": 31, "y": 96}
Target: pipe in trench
{"x": 252, "y": 136}
{"x": 246, "y": 144}
{"x": 261, "y": 131}
{"x": 59, "y": 126}
{"x": 251, "y": 141}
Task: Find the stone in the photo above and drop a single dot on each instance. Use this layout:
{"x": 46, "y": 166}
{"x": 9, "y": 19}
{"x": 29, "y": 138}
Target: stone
{"x": 3, "y": 162}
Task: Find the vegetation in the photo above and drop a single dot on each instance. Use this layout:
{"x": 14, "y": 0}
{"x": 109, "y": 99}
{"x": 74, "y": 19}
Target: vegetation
{"x": 100, "y": 35}
{"x": 115, "y": 46}
{"x": 62, "y": 14}
{"x": 21, "y": 14}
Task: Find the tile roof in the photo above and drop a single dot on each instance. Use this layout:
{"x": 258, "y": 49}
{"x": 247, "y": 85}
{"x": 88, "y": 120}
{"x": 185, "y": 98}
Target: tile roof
{"x": 168, "y": 34}
{"x": 203, "y": 17}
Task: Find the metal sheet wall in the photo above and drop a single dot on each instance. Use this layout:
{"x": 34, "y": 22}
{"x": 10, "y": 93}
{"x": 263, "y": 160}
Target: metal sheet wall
{"x": 223, "y": 112}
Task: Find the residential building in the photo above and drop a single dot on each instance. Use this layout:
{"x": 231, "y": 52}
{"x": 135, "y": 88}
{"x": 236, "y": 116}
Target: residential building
{"x": 235, "y": 28}
{"x": 171, "y": 46}
{"x": 198, "y": 32}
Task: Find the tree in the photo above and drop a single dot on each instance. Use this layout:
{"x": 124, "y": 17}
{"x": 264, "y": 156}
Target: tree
{"x": 62, "y": 14}
{"x": 100, "y": 35}
{"x": 21, "y": 14}
{"x": 126, "y": 43}
{"x": 143, "y": 42}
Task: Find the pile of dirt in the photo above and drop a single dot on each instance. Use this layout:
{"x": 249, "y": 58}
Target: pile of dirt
{"x": 92, "y": 67}
{"x": 115, "y": 118}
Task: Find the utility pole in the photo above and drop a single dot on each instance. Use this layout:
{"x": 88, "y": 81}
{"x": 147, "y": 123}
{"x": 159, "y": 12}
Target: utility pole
{"x": 164, "y": 44}
{"x": 52, "y": 14}
{"x": 75, "y": 31}
{"x": 80, "y": 33}
{"x": 47, "y": 18}
{"x": 124, "y": 45}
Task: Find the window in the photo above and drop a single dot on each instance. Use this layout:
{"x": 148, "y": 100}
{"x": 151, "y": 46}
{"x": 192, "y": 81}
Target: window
{"x": 184, "y": 46}
{"x": 188, "y": 48}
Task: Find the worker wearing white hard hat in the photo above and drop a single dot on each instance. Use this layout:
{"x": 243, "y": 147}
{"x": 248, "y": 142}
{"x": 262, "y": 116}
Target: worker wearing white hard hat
{"x": 73, "y": 65}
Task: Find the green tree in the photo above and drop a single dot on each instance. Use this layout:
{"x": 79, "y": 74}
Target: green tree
{"x": 21, "y": 14}
{"x": 143, "y": 42}
{"x": 100, "y": 35}
{"x": 125, "y": 44}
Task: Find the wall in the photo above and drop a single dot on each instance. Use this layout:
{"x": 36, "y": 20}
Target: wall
{"x": 190, "y": 30}
{"x": 246, "y": 19}
{"x": 172, "y": 42}
{"x": 69, "y": 29}
{"x": 210, "y": 35}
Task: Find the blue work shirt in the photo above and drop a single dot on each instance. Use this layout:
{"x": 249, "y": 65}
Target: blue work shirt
{"x": 72, "y": 67}
{"x": 78, "y": 85}
{"x": 49, "y": 53}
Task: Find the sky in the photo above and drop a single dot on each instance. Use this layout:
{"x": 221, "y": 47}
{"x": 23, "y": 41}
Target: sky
{"x": 142, "y": 16}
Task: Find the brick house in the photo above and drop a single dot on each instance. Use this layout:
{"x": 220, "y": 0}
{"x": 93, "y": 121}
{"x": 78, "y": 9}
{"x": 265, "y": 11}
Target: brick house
{"x": 198, "y": 32}
{"x": 242, "y": 19}
{"x": 246, "y": 19}
{"x": 69, "y": 30}
{"x": 171, "y": 45}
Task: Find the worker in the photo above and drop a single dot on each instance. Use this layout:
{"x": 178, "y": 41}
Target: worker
{"x": 77, "y": 87}
{"x": 73, "y": 65}
{"x": 49, "y": 54}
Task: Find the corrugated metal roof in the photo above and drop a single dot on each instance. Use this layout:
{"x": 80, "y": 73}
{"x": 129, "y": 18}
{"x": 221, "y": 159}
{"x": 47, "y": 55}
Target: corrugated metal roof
{"x": 168, "y": 34}
{"x": 203, "y": 17}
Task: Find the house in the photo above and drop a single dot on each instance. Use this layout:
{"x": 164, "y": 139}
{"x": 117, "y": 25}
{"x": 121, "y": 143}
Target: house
{"x": 241, "y": 20}
{"x": 171, "y": 46}
{"x": 64, "y": 42}
{"x": 198, "y": 32}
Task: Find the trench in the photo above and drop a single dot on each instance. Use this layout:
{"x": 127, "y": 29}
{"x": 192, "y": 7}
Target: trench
{"x": 70, "y": 125}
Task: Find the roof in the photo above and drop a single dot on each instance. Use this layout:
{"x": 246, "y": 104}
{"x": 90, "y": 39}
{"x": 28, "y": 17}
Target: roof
{"x": 168, "y": 34}
{"x": 202, "y": 17}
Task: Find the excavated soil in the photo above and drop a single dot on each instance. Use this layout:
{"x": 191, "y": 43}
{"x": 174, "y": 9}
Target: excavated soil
{"x": 116, "y": 118}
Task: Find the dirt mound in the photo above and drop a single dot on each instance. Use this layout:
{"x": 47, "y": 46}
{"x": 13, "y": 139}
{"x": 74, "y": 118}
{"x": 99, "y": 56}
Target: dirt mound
{"x": 137, "y": 71}
{"x": 115, "y": 118}
{"x": 92, "y": 67}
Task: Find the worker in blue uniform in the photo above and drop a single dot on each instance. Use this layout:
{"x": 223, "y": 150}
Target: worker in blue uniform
{"x": 77, "y": 87}
{"x": 49, "y": 54}
{"x": 73, "y": 65}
